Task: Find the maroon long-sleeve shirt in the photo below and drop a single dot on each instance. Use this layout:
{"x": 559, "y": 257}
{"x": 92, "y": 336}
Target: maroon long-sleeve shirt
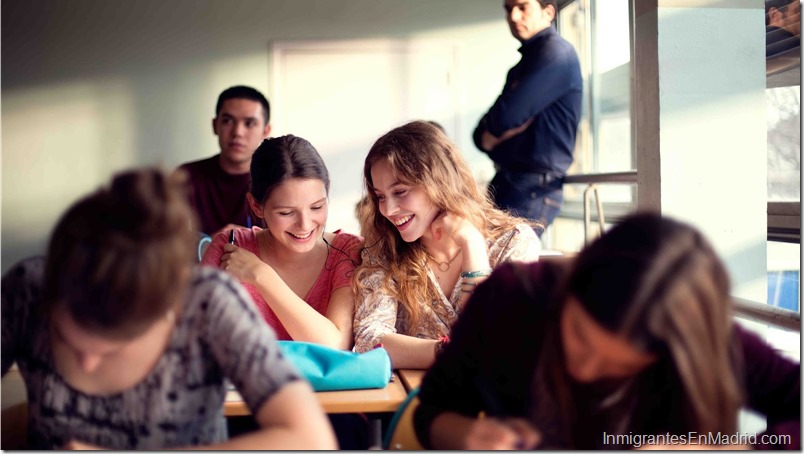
{"x": 498, "y": 345}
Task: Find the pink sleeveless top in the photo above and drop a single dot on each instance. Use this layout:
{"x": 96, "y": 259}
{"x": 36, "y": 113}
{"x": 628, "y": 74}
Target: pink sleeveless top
{"x": 342, "y": 257}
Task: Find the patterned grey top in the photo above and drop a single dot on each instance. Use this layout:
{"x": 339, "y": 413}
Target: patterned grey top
{"x": 218, "y": 335}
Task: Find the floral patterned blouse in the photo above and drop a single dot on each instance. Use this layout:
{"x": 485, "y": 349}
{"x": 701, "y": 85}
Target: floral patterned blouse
{"x": 377, "y": 313}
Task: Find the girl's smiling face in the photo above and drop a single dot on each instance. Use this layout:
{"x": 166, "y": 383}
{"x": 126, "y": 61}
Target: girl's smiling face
{"x": 295, "y": 213}
{"x": 407, "y": 207}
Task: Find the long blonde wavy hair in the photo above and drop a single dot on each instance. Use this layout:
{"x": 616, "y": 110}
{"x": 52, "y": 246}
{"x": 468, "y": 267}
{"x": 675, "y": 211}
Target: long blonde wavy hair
{"x": 421, "y": 155}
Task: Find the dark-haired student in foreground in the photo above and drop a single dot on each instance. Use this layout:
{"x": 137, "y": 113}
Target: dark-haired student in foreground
{"x": 635, "y": 337}
{"x": 124, "y": 344}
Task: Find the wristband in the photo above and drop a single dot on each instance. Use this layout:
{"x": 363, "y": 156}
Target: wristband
{"x": 477, "y": 273}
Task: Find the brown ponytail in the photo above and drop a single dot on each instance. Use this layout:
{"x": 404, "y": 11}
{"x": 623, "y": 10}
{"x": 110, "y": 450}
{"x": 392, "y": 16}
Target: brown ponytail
{"x": 119, "y": 258}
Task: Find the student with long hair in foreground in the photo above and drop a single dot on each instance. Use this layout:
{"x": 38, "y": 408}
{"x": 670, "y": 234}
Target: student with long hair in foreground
{"x": 298, "y": 274}
{"x": 631, "y": 344}
{"x": 431, "y": 235}
{"x": 124, "y": 344}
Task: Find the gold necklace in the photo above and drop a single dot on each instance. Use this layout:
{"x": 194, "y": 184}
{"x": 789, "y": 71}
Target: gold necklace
{"x": 443, "y": 266}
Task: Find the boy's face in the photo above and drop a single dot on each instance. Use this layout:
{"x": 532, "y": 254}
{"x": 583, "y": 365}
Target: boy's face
{"x": 240, "y": 127}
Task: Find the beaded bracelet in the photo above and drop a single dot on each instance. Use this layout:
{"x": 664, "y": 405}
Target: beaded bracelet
{"x": 439, "y": 345}
{"x": 478, "y": 273}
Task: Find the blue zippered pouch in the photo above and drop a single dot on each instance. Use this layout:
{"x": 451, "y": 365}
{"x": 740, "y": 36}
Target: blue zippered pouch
{"x": 330, "y": 369}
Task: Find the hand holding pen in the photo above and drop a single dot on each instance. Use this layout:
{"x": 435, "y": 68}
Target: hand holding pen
{"x": 489, "y": 433}
{"x": 239, "y": 262}
{"x": 494, "y": 430}
{"x": 75, "y": 445}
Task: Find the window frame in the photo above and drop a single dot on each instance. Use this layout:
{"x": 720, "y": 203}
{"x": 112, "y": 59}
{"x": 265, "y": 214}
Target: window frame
{"x": 783, "y": 218}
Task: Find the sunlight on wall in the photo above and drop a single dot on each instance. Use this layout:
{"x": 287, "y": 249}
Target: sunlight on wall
{"x": 691, "y": 123}
{"x": 249, "y": 69}
{"x": 372, "y": 86}
{"x": 711, "y": 74}
{"x": 712, "y": 134}
{"x": 185, "y": 125}
{"x": 485, "y": 54}
{"x": 52, "y": 155}
{"x": 140, "y": 89}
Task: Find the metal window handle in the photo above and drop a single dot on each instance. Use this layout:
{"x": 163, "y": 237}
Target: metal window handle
{"x": 587, "y": 215}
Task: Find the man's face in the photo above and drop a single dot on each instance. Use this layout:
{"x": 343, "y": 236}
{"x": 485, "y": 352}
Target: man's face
{"x": 792, "y": 17}
{"x": 527, "y": 17}
{"x": 787, "y": 17}
{"x": 240, "y": 127}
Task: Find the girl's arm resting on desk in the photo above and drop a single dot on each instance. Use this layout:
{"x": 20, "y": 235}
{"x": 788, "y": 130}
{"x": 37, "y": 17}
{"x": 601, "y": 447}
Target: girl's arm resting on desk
{"x": 302, "y": 321}
{"x": 291, "y": 419}
{"x": 374, "y": 323}
{"x": 408, "y": 352}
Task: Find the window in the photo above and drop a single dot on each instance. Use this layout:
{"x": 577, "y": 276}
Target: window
{"x": 600, "y": 35}
{"x": 784, "y": 143}
{"x": 783, "y": 101}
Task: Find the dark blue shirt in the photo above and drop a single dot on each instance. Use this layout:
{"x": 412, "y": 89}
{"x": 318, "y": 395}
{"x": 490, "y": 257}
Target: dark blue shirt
{"x": 779, "y": 40}
{"x": 545, "y": 85}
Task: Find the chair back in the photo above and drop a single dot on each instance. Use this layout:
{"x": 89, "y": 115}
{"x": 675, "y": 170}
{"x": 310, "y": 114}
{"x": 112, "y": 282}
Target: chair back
{"x": 401, "y": 435}
{"x": 203, "y": 243}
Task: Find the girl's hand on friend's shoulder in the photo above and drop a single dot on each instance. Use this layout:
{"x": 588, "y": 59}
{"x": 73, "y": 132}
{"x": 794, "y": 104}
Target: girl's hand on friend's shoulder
{"x": 502, "y": 434}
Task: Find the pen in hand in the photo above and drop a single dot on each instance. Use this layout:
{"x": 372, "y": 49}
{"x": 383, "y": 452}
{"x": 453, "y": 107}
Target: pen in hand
{"x": 231, "y": 237}
{"x": 493, "y": 408}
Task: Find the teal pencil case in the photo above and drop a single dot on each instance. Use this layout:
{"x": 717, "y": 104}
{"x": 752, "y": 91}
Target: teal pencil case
{"x": 330, "y": 369}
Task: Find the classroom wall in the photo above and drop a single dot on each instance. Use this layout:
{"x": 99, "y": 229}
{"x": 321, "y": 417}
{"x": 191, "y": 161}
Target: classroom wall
{"x": 713, "y": 130}
{"x": 90, "y": 87}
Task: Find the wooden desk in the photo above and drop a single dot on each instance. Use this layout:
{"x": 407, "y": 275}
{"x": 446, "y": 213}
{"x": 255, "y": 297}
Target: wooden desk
{"x": 382, "y": 400}
{"x": 411, "y": 378}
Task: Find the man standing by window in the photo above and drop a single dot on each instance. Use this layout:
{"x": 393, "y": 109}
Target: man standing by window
{"x": 218, "y": 185}
{"x": 529, "y": 131}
